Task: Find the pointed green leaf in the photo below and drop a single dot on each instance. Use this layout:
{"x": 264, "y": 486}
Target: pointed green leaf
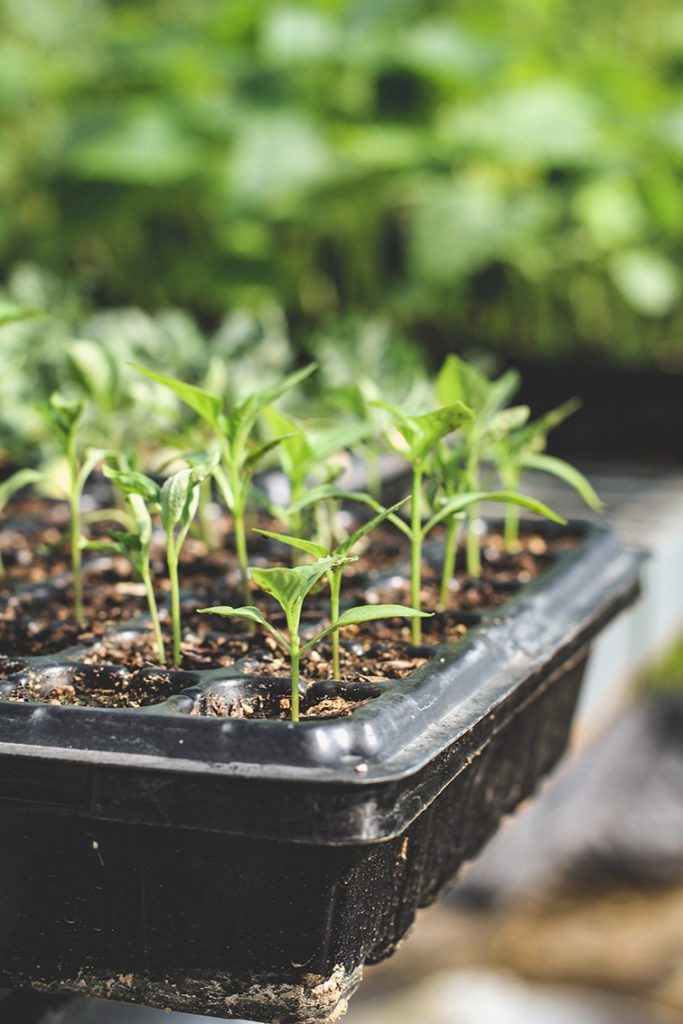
{"x": 459, "y": 502}
{"x": 288, "y": 586}
{"x": 505, "y": 421}
{"x": 432, "y": 426}
{"x": 367, "y": 613}
{"x": 245, "y": 415}
{"x": 96, "y": 370}
{"x": 458, "y": 381}
{"x": 371, "y": 612}
{"x": 63, "y": 413}
{"x": 294, "y": 450}
{"x": 175, "y": 496}
{"x": 317, "y": 550}
{"x": 566, "y": 472}
{"x": 13, "y": 314}
{"x": 533, "y": 438}
{"x": 261, "y": 450}
{"x": 368, "y": 527}
{"x": 131, "y": 482}
{"x": 500, "y": 392}
{"x": 208, "y": 406}
{"x": 250, "y": 614}
{"x": 92, "y": 457}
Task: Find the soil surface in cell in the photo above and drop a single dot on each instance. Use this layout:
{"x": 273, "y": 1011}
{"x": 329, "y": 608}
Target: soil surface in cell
{"x": 112, "y": 665}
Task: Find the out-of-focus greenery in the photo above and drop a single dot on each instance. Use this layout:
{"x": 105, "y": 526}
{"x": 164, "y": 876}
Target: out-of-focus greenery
{"x": 48, "y": 342}
{"x": 502, "y": 172}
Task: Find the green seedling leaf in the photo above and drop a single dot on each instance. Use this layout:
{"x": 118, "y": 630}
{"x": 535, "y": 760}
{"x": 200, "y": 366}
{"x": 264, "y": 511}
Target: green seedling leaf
{"x": 63, "y": 413}
{"x": 505, "y": 421}
{"x": 131, "y": 482}
{"x": 257, "y": 454}
{"x": 250, "y": 614}
{"x": 366, "y": 613}
{"x": 245, "y": 415}
{"x": 96, "y": 370}
{"x": 288, "y": 586}
{"x": 458, "y": 381}
{"x": 459, "y": 502}
{"x": 176, "y": 492}
{"x": 206, "y": 405}
{"x": 317, "y": 550}
{"x": 13, "y": 314}
{"x": 533, "y": 438}
{"x": 368, "y": 527}
{"x": 295, "y": 452}
{"x": 90, "y": 460}
{"x": 500, "y": 392}
{"x": 423, "y": 432}
{"x": 566, "y": 472}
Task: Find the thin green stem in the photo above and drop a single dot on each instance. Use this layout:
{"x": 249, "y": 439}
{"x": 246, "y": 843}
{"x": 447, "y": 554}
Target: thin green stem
{"x": 473, "y": 553}
{"x": 239, "y": 527}
{"x": 206, "y": 525}
{"x": 335, "y": 591}
{"x": 295, "y": 655}
{"x": 511, "y": 528}
{"x": 416, "y": 552}
{"x": 153, "y": 611}
{"x": 473, "y": 550}
{"x": 172, "y": 563}
{"x": 75, "y": 529}
{"x": 449, "y": 555}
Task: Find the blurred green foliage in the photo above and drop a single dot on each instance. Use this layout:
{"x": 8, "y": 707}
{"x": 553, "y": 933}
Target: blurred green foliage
{"x": 501, "y": 172}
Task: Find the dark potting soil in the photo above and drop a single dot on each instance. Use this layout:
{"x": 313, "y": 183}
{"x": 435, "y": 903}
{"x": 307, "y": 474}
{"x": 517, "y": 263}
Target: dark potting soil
{"x": 111, "y": 665}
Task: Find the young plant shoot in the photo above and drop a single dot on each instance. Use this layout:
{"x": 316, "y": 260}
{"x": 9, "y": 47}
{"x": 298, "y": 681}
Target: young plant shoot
{"x": 65, "y": 416}
{"x": 290, "y": 587}
{"x": 135, "y": 544}
{"x": 176, "y": 502}
{"x": 457, "y": 468}
{"x": 240, "y": 453}
{"x": 341, "y": 555}
{"x": 420, "y": 435}
{"x": 309, "y": 458}
{"x": 524, "y": 448}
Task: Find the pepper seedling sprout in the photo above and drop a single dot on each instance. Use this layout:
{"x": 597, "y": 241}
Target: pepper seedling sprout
{"x": 65, "y": 415}
{"x": 240, "y": 453}
{"x": 524, "y": 448}
{"x": 134, "y": 543}
{"x": 176, "y": 503}
{"x": 289, "y": 587}
{"x": 342, "y": 555}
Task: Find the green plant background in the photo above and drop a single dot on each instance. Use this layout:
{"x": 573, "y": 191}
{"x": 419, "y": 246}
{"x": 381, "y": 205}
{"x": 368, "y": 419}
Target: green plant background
{"x": 504, "y": 173}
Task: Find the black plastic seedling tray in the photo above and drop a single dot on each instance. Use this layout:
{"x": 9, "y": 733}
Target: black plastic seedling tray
{"x": 247, "y": 868}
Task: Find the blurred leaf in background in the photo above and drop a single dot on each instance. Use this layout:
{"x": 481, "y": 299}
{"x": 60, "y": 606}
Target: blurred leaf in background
{"x": 503, "y": 174}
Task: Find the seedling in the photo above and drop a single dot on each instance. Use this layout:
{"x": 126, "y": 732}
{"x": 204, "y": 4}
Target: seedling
{"x": 135, "y": 544}
{"x": 420, "y": 436}
{"x": 240, "y": 453}
{"x": 341, "y": 555}
{"x": 308, "y": 458}
{"x": 290, "y": 587}
{"x": 65, "y": 416}
{"x": 458, "y": 469}
{"x": 524, "y": 448}
{"x": 176, "y": 502}
{"x": 10, "y": 486}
